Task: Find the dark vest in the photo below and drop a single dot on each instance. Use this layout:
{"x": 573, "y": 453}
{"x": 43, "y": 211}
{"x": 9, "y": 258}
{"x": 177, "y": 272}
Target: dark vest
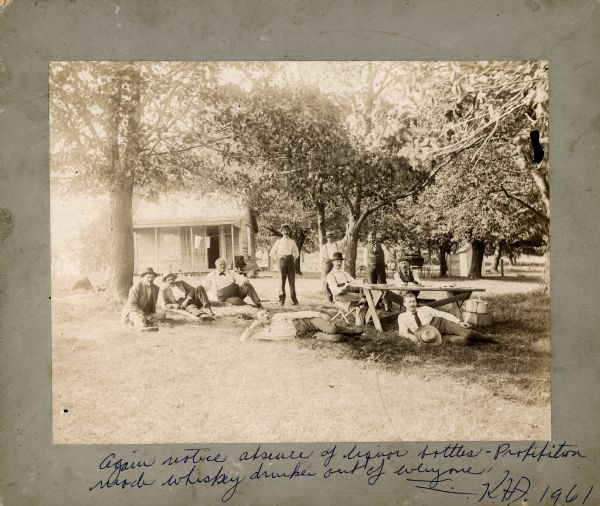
{"x": 375, "y": 257}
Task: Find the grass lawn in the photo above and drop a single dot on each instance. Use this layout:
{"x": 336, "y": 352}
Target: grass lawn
{"x": 198, "y": 383}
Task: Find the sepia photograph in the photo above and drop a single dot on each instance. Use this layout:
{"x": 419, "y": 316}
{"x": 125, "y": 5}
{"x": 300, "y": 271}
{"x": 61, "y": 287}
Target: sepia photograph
{"x": 290, "y": 251}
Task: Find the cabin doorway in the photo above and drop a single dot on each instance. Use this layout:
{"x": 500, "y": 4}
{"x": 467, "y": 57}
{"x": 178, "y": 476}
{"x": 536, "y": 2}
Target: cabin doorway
{"x": 213, "y": 251}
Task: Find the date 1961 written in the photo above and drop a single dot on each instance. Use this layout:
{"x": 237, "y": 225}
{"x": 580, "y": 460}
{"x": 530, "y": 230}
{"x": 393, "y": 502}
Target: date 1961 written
{"x": 511, "y": 490}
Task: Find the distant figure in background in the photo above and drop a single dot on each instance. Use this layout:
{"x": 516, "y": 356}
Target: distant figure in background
{"x": 404, "y": 276}
{"x": 375, "y": 258}
{"x": 181, "y": 295}
{"x": 285, "y": 252}
{"x": 326, "y": 255}
{"x": 282, "y": 326}
{"x": 417, "y": 319}
{"x": 140, "y": 310}
{"x": 229, "y": 286}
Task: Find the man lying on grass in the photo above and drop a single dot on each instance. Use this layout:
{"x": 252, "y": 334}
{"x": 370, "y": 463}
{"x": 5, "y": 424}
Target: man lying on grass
{"x": 283, "y": 326}
{"x": 426, "y": 325}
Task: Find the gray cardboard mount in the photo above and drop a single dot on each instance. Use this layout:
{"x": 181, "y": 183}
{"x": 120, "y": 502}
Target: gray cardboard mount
{"x": 32, "y": 33}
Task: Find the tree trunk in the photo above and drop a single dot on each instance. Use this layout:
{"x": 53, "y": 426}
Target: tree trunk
{"x": 498, "y": 255}
{"x": 352, "y": 233}
{"x": 300, "y": 237}
{"x": 126, "y": 120}
{"x": 475, "y": 271}
{"x": 320, "y": 209}
{"x": 121, "y": 250}
{"x": 546, "y": 277}
{"x": 443, "y": 249}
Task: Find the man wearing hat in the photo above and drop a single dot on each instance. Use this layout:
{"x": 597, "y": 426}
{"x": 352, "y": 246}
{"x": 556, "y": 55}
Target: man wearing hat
{"x": 339, "y": 282}
{"x": 427, "y": 325}
{"x": 181, "y": 295}
{"x": 140, "y": 310}
{"x": 404, "y": 275}
{"x": 326, "y": 254}
{"x": 285, "y": 252}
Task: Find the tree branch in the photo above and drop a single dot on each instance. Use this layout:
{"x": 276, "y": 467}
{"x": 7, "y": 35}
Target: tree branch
{"x": 544, "y": 218}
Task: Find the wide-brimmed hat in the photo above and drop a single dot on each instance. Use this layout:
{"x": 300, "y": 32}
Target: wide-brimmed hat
{"x": 168, "y": 274}
{"x": 428, "y": 334}
{"x": 285, "y": 225}
{"x": 337, "y": 256}
{"x": 148, "y": 270}
{"x": 329, "y": 234}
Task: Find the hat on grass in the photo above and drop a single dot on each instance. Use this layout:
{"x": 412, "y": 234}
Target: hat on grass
{"x": 148, "y": 270}
{"x": 428, "y": 334}
{"x": 169, "y": 274}
{"x": 337, "y": 256}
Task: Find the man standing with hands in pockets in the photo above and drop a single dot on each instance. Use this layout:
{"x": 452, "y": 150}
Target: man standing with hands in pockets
{"x": 285, "y": 252}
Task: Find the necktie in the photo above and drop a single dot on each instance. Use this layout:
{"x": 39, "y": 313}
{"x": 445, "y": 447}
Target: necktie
{"x": 417, "y": 320}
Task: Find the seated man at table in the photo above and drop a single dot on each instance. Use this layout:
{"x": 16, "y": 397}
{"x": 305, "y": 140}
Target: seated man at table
{"x": 181, "y": 295}
{"x": 339, "y": 282}
{"x": 140, "y": 310}
{"x": 228, "y": 286}
{"x": 405, "y": 274}
{"x": 282, "y": 326}
{"x": 416, "y": 318}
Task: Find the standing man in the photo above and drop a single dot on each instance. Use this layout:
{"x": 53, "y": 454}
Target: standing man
{"x": 285, "y": 252}
{"x": 228, "y": 286}
{"x": 140, "y": 309}
{"x": 415, "y": 318}
{"x": 375, "y": 259}
{"x": 326, "y": 254}
{"x": 181, "y": 295}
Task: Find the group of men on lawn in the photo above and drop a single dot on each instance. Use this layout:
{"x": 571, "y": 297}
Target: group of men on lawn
{"x": 147, "y": 302}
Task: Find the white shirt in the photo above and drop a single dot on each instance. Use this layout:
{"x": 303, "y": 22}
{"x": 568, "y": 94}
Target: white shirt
{"x": 337, "y": 277}
{"x": 407, "y": 322}
{"x": 215, "y": 280}
{"x": 284, "y": 246}
{"x": 328, "y": 249}
{"x": 282, "y": 326}
{"x": 177, "y": 292}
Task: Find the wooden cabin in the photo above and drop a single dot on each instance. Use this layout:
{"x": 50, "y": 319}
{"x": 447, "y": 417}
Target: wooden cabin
{"x": 186, "y": 234}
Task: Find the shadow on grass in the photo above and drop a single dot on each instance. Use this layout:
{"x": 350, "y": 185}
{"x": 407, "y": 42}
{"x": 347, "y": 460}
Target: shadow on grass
{"x": 517, "y": 369}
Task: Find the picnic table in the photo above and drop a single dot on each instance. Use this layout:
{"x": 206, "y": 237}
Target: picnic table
{"x": 454, "y": 296}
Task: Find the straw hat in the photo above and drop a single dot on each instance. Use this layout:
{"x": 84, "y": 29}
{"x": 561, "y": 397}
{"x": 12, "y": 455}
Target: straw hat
{"x": 428, "y": 334}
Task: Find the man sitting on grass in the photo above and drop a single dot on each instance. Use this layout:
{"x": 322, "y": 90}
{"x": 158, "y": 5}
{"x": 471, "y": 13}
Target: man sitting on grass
{"x": 412, "y": 322}
{"x": 282, "y": 326}
{"x": 181, "y": 295}
{"x": 140, "y": 310}
{"x": 228, "y": 286}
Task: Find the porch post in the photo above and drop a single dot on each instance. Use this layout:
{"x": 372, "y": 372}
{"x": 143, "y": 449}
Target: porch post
{"x": 156, "y": 247}
{"x": 232, "y": 248}
{"x": 192, "y": 249}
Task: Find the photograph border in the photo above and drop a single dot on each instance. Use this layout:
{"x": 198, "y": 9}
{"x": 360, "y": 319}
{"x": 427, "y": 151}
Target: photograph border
{"x": 34, "y": 33}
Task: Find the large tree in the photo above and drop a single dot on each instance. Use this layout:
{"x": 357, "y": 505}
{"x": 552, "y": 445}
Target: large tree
{"x": 125, "y": 128}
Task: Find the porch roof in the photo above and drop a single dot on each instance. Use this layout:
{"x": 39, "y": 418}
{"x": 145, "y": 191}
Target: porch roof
{"x": 184, "y": 210}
